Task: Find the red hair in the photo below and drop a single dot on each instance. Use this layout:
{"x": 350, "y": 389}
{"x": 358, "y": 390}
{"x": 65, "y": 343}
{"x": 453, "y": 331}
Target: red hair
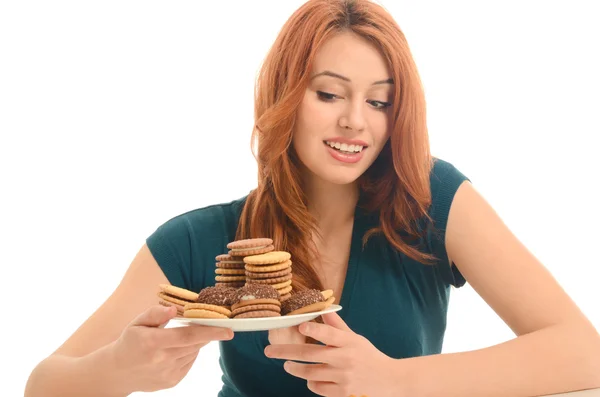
{"x": 396, "y": 185}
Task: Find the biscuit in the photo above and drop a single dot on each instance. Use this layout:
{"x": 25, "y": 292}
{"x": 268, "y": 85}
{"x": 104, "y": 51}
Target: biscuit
{"x": 170, "y": 295}
{"x": 280, "y": 273}
{"x": 285, "y": 290}
{"x": 282, "y": 285}
{"x": 178, "y": 292}
{"x": 168, "y": 304}
{"x": 285, "y": 297}
{"x": 231, "y": 272}
{"x": 328, "y": 293}
{"x": 223, "y": 265}
{"x": 307, "y": 301}
{"x": 268, "y": 268}
{"x": 230, "y": 278}
{"x": 204, "y": 306}
{"x": 228, "y": 259}
{"x": 231, "y": 284}
{"x": 259, "y": 314}
{"x": 249, "y": 308}
{"x": 315, "y": 307}
{"x": 237, "y": 305}
{"x": 252, "y": 292}
{"x": 217, "y": 296}
{"x": 201, "y": 313}
{"x": 270, "y": 258}
{"x": 253, "y": 246}
{"x": 270, "y": 281}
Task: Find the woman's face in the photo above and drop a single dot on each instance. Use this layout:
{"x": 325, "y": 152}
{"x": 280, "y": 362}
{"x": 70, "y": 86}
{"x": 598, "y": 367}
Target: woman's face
{"x": 343, "y": 121}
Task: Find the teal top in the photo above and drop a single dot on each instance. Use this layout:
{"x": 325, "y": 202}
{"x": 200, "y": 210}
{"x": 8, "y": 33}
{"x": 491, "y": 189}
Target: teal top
{"x": 397, "y": 303}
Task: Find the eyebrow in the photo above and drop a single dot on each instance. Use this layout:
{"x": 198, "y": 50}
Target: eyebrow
{"x": 339, "y": 76}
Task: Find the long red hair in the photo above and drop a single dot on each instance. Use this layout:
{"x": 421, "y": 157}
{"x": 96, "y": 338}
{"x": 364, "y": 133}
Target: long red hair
{"x": 396, "y": 185}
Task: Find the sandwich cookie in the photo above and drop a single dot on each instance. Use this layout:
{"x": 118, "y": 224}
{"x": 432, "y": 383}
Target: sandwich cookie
{"x": 254, "y": 301}
{"x": 273, "y": 268}
{"x": 170, "y": 295}
{"x": 212, "y": 302}
{"x": 307, "y": 301}
{"x": 253, "y": 246}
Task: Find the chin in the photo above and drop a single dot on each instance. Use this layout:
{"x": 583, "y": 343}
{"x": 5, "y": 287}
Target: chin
{"x": 344, "y": 177}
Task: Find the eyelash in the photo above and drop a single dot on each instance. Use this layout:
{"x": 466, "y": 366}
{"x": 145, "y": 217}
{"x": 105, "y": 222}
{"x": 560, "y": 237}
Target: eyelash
{"x": 327, "y": 97}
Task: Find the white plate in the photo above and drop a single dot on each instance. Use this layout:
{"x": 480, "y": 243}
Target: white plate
{"x": 254, "y": 324}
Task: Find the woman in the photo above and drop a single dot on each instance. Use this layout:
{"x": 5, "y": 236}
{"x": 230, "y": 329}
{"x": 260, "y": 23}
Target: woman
{"x": 347, "y": 185}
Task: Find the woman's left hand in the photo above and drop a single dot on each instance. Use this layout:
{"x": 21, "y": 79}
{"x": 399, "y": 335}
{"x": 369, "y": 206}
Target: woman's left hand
{"x": 348, "y": 364}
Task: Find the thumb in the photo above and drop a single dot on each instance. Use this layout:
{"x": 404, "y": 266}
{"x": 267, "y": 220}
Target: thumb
{"x": 334, "y": 320}
{"x": 155, "y": 316}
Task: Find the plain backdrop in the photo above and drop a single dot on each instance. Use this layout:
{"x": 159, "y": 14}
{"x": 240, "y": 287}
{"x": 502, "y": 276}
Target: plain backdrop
{"x": 118, "y": 115}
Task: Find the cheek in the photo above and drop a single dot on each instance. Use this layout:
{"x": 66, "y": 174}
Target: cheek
{"x": 380, "y": 128}
{"x": 314, "y": 118}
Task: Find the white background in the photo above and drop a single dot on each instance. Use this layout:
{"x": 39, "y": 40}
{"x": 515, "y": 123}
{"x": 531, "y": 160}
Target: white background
{"x": 117, "y": 115}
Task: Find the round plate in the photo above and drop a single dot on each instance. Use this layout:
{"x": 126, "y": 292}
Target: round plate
{"x": 254, "y": 324}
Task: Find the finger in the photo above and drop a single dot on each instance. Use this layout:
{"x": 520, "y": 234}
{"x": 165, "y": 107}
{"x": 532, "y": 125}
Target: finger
{"x": 186, "y": 361}
{"x": 323, "y": 388}
{"x": 314, "y": 372}
{"x": 155, "y": 316}
{"x": 193, "y": 335}
{"x": 327, "y": 334}
{"x": 286, "y": 335}
{"x": 335, "y": 321}
{"x": 309, "y": 353}
{"x": 183, "y": 371}
{"x": 178, "y": 352}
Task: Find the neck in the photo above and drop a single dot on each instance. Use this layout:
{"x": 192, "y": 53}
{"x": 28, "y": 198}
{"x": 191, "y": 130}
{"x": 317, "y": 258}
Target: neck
{"x": 332, "y": 205}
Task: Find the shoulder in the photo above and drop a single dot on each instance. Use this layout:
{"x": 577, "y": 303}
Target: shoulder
{"x": 185, "y": 245}
{"x": 445, "y": 179}
{"x": 444, "y": 175}
{"x": 213, "y": 218}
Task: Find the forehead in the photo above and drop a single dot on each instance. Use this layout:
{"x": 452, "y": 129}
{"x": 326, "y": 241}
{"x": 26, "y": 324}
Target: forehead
{"x": 352, "y": 56}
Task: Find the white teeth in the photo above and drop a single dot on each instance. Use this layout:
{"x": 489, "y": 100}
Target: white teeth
{"x": 345, "y": 147}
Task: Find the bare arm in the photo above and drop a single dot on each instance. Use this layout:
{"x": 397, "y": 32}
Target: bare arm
{"x": 557, "y": 349}
{"x": 82, "y": 363}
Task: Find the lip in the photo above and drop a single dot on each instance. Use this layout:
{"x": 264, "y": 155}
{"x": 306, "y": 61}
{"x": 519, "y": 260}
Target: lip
{"x": 347, "y": 141}
{"x": 345, "y": 158}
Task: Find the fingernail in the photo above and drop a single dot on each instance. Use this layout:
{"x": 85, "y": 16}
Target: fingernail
{"x": 268, "y": 351}
{"x": 305, "y": 328}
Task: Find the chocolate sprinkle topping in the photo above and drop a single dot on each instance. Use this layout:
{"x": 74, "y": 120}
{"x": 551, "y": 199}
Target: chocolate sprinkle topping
{"x": 301, "y": 299}
{"x": 220, "y": 296}
{"x": 255, "y": 291}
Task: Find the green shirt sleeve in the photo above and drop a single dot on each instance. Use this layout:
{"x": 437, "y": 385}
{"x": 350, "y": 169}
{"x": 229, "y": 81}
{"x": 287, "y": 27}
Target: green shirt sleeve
{"x": 170, "y": 246}
{"x": 185, "y": 246}
{"x": 445, "y": 181}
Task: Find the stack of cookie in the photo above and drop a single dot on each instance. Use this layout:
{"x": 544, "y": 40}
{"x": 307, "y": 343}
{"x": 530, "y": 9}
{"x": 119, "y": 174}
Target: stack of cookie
{"x": 230, "y": 267}
{"x": 273, "y": 268}
{"x": 230, "y": 271}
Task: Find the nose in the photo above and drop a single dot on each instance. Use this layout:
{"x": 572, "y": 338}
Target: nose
{"x": 353, "y": 117}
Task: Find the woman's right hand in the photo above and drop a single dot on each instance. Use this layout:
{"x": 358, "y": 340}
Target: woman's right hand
{"x": 150, "y": 357}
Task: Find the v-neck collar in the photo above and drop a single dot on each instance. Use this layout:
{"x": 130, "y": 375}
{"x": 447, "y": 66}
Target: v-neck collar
{"x": 352, "y": 270}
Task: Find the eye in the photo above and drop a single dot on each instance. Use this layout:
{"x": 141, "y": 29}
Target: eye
{"x": 325, "y": 96}
{"x": 379, "y": 104}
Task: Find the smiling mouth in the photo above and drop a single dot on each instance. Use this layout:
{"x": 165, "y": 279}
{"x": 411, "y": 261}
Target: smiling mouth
{"x": 345, "y": 148}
